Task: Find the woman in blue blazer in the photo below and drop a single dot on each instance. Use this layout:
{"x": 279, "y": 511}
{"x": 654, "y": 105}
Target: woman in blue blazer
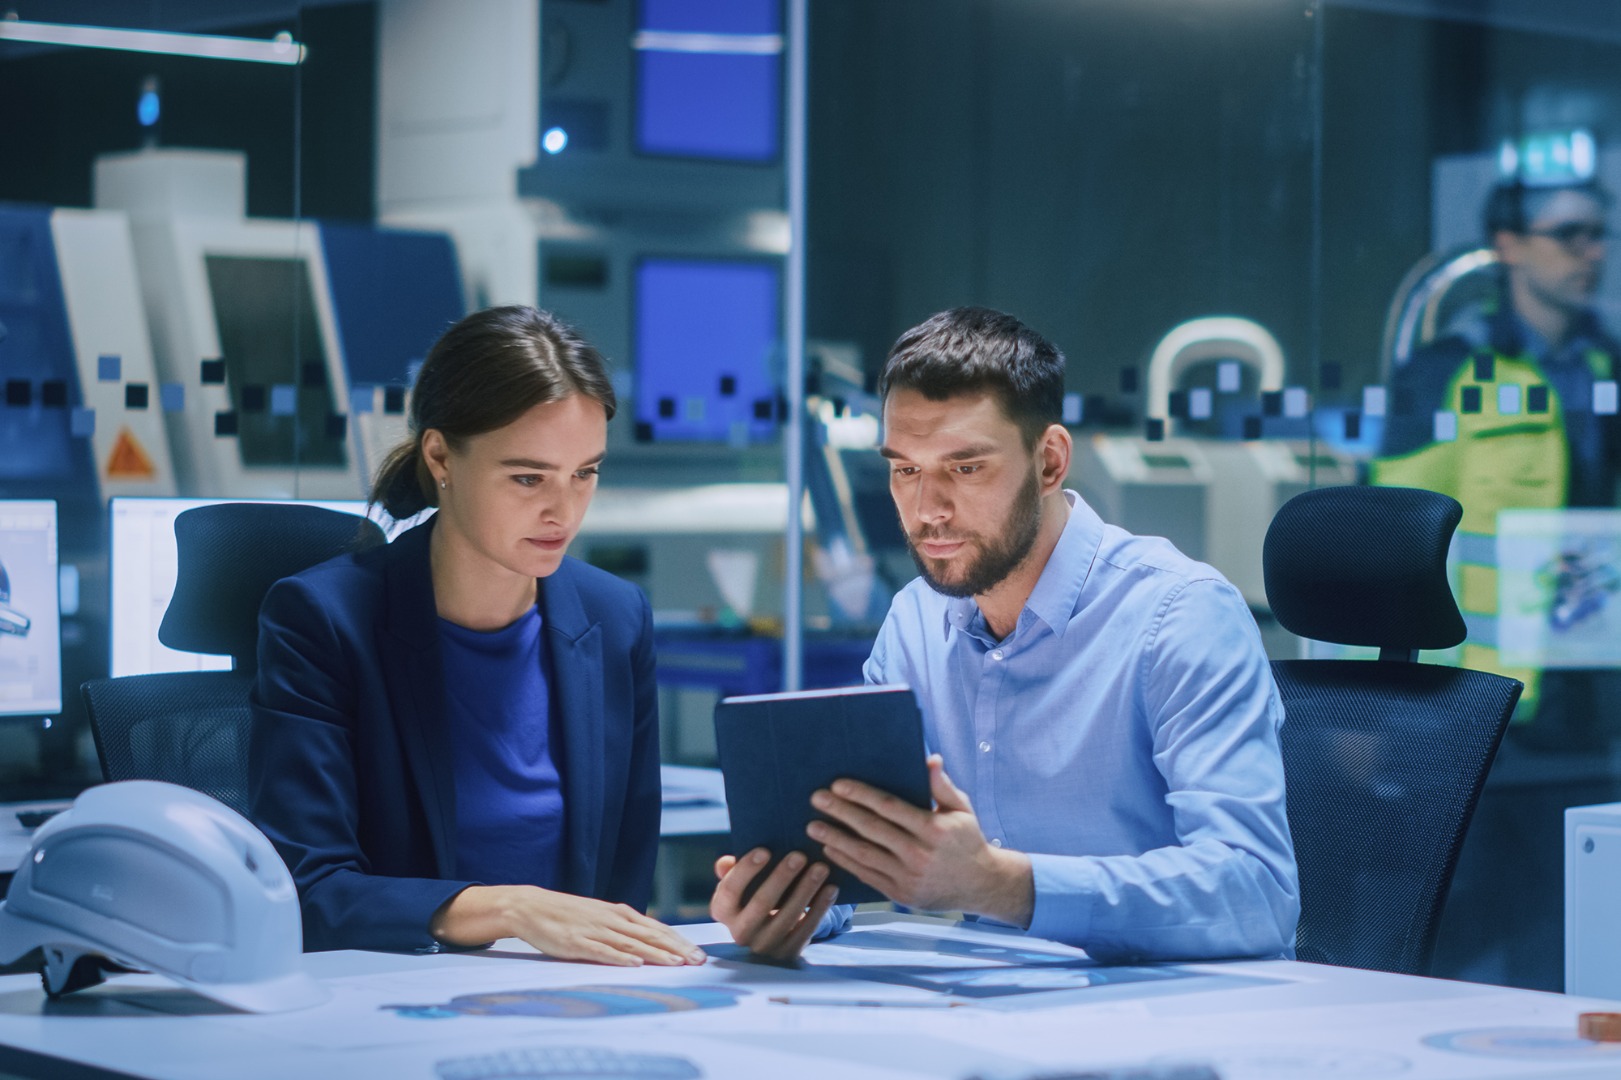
{"x": 455, "y": 736}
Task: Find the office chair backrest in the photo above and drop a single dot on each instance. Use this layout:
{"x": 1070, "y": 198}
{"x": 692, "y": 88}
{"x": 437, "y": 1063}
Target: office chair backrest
{"x": 186, "y": 727}
{"x": 191, "y": 727}
{"x": 229, "y": 556}
{"x": 1384, "y": 759}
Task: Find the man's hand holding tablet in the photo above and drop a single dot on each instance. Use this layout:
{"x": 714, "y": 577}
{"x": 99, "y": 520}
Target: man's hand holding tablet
{"x": 840, "y": 776}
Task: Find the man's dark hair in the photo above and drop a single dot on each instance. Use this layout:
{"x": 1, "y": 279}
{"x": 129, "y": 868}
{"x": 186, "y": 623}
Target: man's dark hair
{"x": 970, "y": 350}
{"x": 1513, "y": 205}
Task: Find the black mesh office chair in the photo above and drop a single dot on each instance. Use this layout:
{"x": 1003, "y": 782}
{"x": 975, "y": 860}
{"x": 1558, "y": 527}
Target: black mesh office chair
{"x": 191, "y": 727}
{"x": 1384, "y": 759}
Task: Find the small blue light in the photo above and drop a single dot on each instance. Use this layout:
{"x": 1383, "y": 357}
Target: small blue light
{"x": 554, "y": 140}
{"x": 146, "y": 110}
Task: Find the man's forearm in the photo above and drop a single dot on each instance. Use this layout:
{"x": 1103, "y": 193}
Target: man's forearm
{"x": 1007, "y": 892}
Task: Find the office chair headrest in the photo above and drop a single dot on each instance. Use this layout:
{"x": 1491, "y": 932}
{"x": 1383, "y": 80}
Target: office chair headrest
{"x": 229, "y": 556}
{"x": 1364, "y": 566}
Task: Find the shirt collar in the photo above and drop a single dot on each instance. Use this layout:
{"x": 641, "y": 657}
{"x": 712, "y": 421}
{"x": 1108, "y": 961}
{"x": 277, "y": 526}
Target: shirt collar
{"x": 1513, "y": 335}
{"x": 1058, "y": 590}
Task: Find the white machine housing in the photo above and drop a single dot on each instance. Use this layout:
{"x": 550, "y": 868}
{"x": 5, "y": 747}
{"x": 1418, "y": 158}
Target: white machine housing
{"x": 1592, "y": 898}
{"x": 96, "y": 260}
{"x": 184, "y": 207}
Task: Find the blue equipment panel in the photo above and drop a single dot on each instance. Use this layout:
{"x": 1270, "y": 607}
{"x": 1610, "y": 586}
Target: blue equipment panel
{"x": 706, "y": 334}
{"x": 735, "y": 663}
{"x": 714, "y": 104}
{"x": 37, "y": 449}
{"x": 393, "y": 293}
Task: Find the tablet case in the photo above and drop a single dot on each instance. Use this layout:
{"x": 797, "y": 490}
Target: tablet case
{"x": 776, "y": 749}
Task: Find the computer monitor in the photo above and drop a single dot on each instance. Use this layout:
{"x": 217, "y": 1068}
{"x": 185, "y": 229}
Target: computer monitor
{"x": 30, "y": 621}
{"x": 709, "y": 80}
{"x": 707, "y": 334}
{"x": 143, "y": 570}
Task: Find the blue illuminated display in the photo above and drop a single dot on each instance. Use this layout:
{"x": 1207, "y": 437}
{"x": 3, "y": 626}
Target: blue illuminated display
{"x": 707, "y": 331}
{"x": 709, "y": 80}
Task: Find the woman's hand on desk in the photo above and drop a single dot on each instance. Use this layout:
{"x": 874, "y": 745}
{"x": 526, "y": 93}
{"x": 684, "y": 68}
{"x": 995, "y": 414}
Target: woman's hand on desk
{"x": 561, "y": 925}
{"x": 779, "y": 919}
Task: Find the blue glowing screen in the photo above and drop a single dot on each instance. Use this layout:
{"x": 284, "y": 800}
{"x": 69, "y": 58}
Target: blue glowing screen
{"x": 722, "y": 102}
{"x": 707, "y": 332}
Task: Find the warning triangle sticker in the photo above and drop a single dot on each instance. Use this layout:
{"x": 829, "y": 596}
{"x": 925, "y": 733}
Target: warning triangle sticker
{"x": 128, "y": 461}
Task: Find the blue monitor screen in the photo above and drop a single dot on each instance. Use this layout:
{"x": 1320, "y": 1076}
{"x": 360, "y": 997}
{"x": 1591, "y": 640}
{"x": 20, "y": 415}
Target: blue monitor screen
{"x": 707, "y": 332}
{"x": 709, "y": 80}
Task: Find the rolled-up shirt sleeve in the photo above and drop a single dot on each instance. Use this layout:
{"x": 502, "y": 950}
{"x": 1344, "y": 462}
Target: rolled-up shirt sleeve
{"x": 1228, "y": 887}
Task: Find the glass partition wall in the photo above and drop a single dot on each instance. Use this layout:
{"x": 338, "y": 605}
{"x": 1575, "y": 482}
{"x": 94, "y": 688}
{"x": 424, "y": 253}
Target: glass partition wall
{"x": 167, "y": 330}
{"x": 1264, "y": 233}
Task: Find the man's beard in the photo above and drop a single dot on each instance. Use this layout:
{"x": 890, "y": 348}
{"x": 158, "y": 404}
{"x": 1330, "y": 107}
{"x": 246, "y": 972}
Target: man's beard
{"x": 995, "y": 560}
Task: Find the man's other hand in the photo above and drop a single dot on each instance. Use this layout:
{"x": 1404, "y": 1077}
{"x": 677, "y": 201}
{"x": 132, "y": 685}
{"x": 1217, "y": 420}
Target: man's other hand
{"x": 934, "y": 860}
{"x": 779, "y": 919}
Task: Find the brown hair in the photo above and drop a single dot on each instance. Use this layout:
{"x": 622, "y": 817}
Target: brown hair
{"x": 977, "y": 350}
{"x": 485, "y": 372}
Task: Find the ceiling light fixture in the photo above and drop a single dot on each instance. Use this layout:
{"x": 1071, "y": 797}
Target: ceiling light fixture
{"x": 281, "y": 49}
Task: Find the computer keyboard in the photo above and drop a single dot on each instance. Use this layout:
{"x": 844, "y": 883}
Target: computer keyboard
{"x": 564, "y": 1062}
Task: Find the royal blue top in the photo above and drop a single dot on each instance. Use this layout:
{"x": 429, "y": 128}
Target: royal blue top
{"x": 509, "y": 794}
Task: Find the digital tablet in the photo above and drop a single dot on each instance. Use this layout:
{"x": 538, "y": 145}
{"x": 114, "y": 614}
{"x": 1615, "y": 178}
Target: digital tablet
{"x": 776, "y": 749}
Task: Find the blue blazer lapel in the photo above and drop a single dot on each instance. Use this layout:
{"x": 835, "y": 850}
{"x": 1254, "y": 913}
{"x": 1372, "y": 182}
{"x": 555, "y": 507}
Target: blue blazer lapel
{"x": 575, "y": 644}
{"x": 416, "y": 682}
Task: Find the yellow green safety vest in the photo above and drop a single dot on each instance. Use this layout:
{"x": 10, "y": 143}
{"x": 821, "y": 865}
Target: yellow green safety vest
{"x": 1504, "y": 458}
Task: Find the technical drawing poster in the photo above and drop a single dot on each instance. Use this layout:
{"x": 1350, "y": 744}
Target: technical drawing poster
{"x": 30, "y": 631}
{"x": 1559, "y": 586}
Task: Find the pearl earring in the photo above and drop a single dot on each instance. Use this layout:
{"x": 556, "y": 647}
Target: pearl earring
{"x": 443, "y": 485}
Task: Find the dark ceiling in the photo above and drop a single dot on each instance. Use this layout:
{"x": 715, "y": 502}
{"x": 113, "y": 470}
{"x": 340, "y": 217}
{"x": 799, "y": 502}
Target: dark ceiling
{"x": 194, "y": 15}
{"x": 1583, "y": 18}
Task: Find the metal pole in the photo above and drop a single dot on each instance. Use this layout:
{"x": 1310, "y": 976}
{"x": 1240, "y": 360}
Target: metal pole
{"x": 794, "y": 333}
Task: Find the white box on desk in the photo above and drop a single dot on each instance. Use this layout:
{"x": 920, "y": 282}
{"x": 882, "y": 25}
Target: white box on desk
{"x": 1592, "y": 900}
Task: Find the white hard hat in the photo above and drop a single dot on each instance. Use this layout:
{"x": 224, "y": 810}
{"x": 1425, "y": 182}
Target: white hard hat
{"x": 157, "y": 877}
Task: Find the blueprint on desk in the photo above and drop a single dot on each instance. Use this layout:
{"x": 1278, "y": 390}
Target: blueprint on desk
{"x": 995, "y": 974}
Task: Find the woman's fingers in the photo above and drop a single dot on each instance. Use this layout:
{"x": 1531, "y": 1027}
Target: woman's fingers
{"x": 659, "y": 936}
{"x": 581, "y": 928}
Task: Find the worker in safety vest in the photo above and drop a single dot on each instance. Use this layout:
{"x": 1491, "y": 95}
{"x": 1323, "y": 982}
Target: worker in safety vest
{"x": 1514, "y": 408}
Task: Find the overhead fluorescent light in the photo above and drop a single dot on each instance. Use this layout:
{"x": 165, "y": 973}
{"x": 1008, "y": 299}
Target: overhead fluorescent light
{"x": 281, "y": 49}
{"x": 687, "y": 42}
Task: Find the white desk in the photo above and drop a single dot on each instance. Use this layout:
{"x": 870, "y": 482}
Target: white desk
{"x": 1251, "y": 1020}
{"x": 694, "y": 802}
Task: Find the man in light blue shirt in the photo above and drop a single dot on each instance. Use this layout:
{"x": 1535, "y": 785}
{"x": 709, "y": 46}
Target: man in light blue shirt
{"x": 1102, "y": 701}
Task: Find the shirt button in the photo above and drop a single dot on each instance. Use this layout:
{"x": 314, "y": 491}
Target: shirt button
{"x": 984, "y": 747}
{"x": 996, "y": 842}
{"x": 997, "y": 655}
